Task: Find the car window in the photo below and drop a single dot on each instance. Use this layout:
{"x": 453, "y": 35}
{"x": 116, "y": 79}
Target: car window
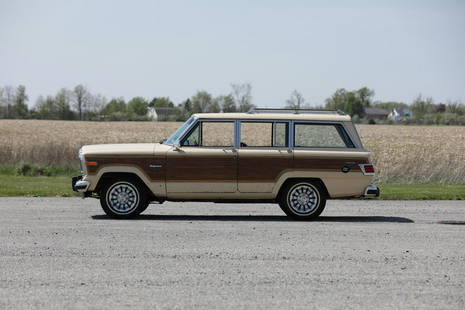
{"x": 193, "y": 138}
{"x": 256, "y": 134}
{"x": 280, "y": 134}
{"x": 179, "y": 132}
{"x": 217, "y": 134}
{"x": 263, "y": 134}
{"x": 320, "y": 135}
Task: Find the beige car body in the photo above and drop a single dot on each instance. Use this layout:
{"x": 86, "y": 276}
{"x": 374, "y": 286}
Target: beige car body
{"x": 174, "y": 172}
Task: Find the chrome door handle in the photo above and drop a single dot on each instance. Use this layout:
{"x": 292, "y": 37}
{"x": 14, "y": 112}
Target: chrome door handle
{"x": 155, "y": 166}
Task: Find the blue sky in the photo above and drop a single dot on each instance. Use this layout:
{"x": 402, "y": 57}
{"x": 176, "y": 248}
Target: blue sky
{"x": 174, "y": 48}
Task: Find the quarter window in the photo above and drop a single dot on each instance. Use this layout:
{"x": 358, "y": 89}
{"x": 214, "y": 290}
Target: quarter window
{"x": 320, "y": 135}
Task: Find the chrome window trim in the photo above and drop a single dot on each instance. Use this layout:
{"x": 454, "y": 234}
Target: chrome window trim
{"x": 273, "y": 123}
{"x": 349, "y": 136}
{"x": 176, "y": 142}
{"x": 291, "y": 126}
{"x": 198, "y": 120}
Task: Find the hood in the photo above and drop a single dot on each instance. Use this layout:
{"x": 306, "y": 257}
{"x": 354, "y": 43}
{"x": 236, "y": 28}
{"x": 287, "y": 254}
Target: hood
{"x": 119, "y": 149}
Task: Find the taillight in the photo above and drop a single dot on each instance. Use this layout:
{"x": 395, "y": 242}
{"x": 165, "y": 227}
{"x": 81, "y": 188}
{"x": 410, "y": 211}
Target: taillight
{"x": 367, "y": 169}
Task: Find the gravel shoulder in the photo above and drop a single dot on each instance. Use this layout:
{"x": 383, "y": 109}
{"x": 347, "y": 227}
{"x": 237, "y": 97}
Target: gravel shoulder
{"x": 60, "y": 253}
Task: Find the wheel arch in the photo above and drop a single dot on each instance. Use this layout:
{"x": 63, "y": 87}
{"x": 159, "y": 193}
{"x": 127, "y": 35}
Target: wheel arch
{"x": 106, "y": 176}
{"x": 300, "y": 179}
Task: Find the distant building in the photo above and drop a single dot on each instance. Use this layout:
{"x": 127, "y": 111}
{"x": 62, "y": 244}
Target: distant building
{"x": 375, "y": 113}
{"x": 160, "y": 114}
{"x": 400, "y": 114}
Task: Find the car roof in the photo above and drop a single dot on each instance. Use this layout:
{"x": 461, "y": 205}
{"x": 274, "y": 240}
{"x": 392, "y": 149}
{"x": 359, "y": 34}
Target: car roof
{"x": 277, "y": 116}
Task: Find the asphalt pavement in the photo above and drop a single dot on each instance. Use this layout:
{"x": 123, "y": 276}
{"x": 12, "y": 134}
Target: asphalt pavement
{"x": 58, "y": 253}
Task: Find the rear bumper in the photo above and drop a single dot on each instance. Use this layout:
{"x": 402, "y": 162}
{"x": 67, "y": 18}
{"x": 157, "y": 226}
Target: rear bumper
{"x": 371, "y": 191}
{"x": 79, "y": 185}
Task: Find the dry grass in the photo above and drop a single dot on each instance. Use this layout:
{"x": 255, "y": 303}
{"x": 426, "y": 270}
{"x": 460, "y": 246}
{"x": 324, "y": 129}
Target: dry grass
{"x": 401, "y": 153}
{"x": 408, "y": 154}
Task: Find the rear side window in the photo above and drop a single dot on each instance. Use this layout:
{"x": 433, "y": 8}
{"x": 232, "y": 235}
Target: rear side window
{"x": 321, "y": 136}
{"x": 264, "y": 134}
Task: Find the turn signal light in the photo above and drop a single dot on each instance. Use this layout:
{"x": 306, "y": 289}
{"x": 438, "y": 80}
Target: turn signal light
{"x": 91, "y": 163}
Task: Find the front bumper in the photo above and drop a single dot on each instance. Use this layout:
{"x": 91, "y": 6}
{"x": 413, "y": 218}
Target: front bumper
{"x": 79, "y": 185}
{"x": 371, "y": 191}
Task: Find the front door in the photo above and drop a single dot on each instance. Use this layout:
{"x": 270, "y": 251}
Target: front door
{"x": 205, "y": 161}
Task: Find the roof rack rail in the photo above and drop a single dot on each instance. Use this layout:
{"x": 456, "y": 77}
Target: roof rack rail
{"x": 295, "y": 111}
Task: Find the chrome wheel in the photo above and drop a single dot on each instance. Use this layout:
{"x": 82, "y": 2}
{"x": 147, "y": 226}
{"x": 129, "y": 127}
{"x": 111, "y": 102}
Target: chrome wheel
{"x": 303, "y": 198}
{"x": 122, "y": 197}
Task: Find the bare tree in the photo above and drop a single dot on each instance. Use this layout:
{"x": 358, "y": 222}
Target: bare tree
{"x": 242, "y": 94}
{"x": 81, "y": 98}
{"x": 296, "y": 101}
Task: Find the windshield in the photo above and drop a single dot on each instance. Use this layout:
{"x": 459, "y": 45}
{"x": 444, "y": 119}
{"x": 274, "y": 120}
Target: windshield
{"x": 178, "y": 133}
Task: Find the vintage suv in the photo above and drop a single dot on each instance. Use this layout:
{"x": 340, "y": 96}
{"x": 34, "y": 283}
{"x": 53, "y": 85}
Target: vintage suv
{"x": 297, "y": 158}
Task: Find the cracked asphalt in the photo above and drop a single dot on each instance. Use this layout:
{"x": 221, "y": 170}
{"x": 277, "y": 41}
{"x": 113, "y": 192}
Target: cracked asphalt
{"x": 60, "y": 253}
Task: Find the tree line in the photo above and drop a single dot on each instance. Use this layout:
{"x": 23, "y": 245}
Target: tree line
{"x": 79, "y": 103}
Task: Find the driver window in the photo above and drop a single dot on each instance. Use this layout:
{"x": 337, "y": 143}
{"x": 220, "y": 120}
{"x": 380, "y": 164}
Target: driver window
{"x": 193, "y": 139}
{"x": 208, "y": 133}
{"x": 218, "y": 134}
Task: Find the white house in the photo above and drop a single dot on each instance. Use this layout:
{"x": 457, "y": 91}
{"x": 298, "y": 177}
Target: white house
{"x": 400, "y": 114}
{"x": 159, "y": 114}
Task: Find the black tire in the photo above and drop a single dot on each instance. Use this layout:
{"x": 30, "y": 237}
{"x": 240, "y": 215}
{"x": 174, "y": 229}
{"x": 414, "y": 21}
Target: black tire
{"x": 123, "y": 198}
{"x": 302, "y": 200}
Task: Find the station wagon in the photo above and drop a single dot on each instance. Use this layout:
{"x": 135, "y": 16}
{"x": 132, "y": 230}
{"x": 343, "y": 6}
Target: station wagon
{"x": 295, "y": 158}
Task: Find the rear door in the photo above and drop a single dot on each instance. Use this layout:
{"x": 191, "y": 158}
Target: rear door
{"x": 264, "y": 154}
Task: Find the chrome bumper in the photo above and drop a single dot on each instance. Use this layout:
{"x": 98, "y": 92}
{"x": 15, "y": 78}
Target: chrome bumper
{"x": 371, "y": 191}
{"x": 79, "y": 185}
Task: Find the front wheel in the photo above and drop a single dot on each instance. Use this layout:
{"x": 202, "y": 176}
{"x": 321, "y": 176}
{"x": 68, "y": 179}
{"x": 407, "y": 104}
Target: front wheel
{"x": 123, "y": 198}
{"x": 302, "y": 200}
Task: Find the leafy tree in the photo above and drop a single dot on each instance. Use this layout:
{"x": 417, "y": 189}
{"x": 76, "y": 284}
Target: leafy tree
{"x": 390, "y": 105}
{"x": 184, "y": 110}
{"x": 115, "y": 105}
{"x": 161, "y": 102}
{"x": 242, "y": 94}
{"x": 20, "y": 109}
{"x": 351, "y": 102}
{"x": 62, "y": 103}
{"x": 296, "y": 101}
{"x": 214, "y": 107}
{"x": 227, "y": 103}
{"x": 422, "y": 106}
{"x": 46, "y": 108}
{"x": 138, "y": 106}
{"x": 365, "y": 95}
{"x": 201, "y": 102}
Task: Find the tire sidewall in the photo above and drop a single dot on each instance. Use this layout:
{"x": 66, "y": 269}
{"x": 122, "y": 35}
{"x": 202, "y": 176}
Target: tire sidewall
{"x": 285, "y": 206}
{"x": 141, "y": 201}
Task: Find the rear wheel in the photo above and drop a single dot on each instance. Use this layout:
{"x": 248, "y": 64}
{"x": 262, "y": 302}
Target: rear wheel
{"x": 302, "y": 200}
{"x": 123, "y": 198}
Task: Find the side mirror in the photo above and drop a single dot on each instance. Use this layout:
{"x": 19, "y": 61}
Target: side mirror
{"x": 177, "y": 147}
